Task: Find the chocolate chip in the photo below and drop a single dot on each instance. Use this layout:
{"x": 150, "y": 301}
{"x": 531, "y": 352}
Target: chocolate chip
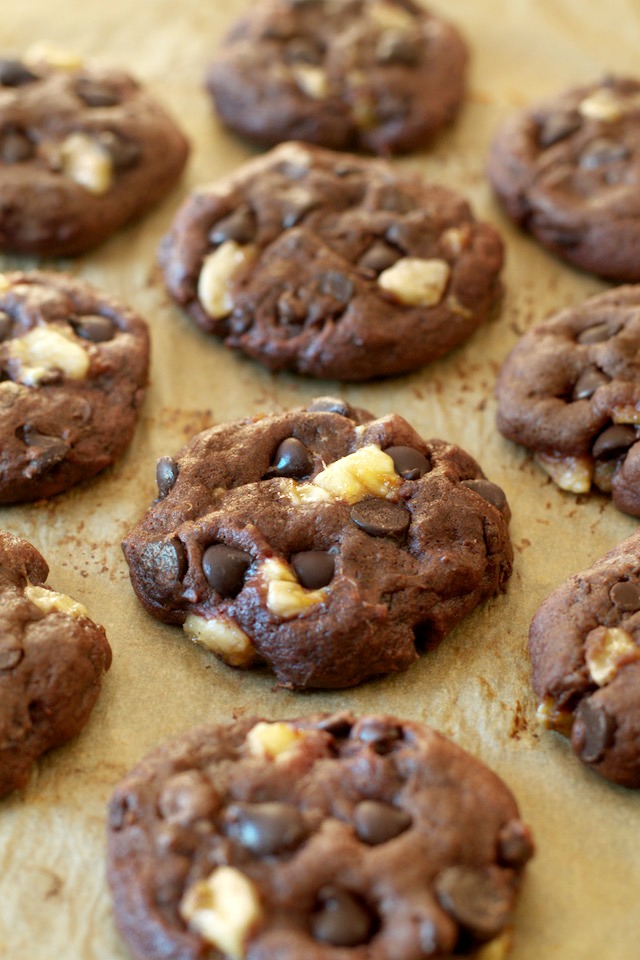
{"x": 15, "y": 146}
{"x": 6, "y": 325}
{"x": 95, "y": 93}
{"x": 336, "y": 285}
{"x": 377, "y": 822}
{"x": 187, "y": 797}
{"x": 291, "y": 459}
{"x": 380, "y": 734}
{"x": 10, "y": 657}
{"x": 397, "y": 48}
{"x": 593, "y": 731}
{"x": 239, "y": 226}
{"x": 613, "y": 440}
{"x": 314, "y": 568}
{"x": 94, "y": 327}
{"x": 331, "y": 405}
{"x": 626, "y": 596}
{"x": 598, "y": 333}
{"x": 165, "y": 562}
{"x": 557, "y": 127}
{"x": 479, "y": 902}
{"x": 600, "y": 152}
{"x": 588, "y": 382}
{"x": 48, "y": 450}
{"x": 380, "y": 256}
{"x": 491, "y": 492}
{"x": 167, "y": 471}
{"x": 381, "y": 518}
{"x": 291, "y": 309}
{"x": 515, "y": 846}
{"x": 338, "y": 724}
{"x": 225, "y": 568}
{"x": 124, "y": 153}
{"x": 265, "y": 828}
{"x": 14, "y": 73}
{"x": 342, "y": 919}
{"x": 409, "y": 463}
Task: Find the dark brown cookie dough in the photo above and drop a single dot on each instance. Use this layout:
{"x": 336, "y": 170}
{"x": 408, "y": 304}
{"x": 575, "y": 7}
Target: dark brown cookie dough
{"x": 83, "y": 150}
{"x": 376, "y": 75}
{"x": 568, "y": 171}
{"x": 73, "y": 368}
{"x": 570, "y": 391}
{"x": 332, "y": 265}
{"x": 585, "y": 649}
{"x": 52, "y": 660}
{"x": 323, "y": 837}
{"x": 328, "y": 545}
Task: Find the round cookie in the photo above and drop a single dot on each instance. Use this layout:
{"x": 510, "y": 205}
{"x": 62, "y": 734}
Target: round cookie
{"x": 376, "y": 75}
{"x": 570, "y": 391}
{"x": 322, "y": 837}
{"x": 83, "y": 150}
{"x": 52, "y": 660}
{"x": 73, "y": 369}
{"x": 584, "y": 643}
{"x": 324, "y": 543}
{"x": 332, "y": 265}
{"x": 567, "y": 170}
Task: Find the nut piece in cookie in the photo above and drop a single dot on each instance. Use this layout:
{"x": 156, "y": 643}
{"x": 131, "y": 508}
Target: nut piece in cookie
{"x": 584, "y": 643}
{"x": 52, "y": 660}
{"x": 83, "y": 150}
{"x": 332, "y": 265}
{"x": 368, "y": 836}
{"x": 376, "y": 75}
{"x": 322, "y": 542}
{"x": 73, "y": 370}
{"x": 567, "y": 170}
{"x": 570, "y": 392}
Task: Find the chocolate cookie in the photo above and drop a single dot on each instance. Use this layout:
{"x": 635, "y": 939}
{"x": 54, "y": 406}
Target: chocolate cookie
{"x": 570, "y": 391}
{"x": 568, "y": 171}
{"x": 83, "y": 150}
{"x": 324, "y": 543}
{"x": 52, "y": 659}
{"x": 322, "y": 837}
{"x": 585, "y": 649}
{"x": 376, "y": 75}
{"x": 73, "y": 368}
{"x": 332, "y": 265}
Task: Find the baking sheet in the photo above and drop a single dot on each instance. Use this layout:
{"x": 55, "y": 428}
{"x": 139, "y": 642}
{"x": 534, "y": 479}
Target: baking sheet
{"x": 580, "y": 899}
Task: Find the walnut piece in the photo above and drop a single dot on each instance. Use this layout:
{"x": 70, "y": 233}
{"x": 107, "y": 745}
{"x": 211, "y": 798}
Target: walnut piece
{"x": 45, "y": 351}
{"x": 368, "y": 472}
{"x": 273, "y": 740}
{"x": 224, "y": 908}
{"x": 49, "y": 601}
{"x": 223, "y": 637}
{"x": 608, "y": 649}
{"x": 218, "y": 271}
{"x": 569, "y": 473}
{"x": 286, "y": 598}
{"x": 415, "y": 282}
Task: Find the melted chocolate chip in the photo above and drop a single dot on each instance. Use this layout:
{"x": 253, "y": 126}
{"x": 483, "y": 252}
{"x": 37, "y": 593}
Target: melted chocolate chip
{"x": 167, "y": 471}
{"x": 332, "y": 405}
{"x": 291, "y": 309}
{"x": 94, "y": 327}
{"x": 597, "y": 333}
{"x": 336, "y": 285}
{"x": 124, "y": 153}
{"x": 313, "y": 568}
{"x": 515, "y": 846}
{"x": 593, "y": 731}
{"x": 379, "y": 734}
{"x": 588, "y": 382}
{"x": 491, "y": 492}
{"x": 602, "y": 151}
{"x": 10, "y": 657}
{"x": 166, "y": 561}
{"x": 6, "y": 325}
{"x": 381, "y": 518}
{"x": 14, "y": 73}
{"x": 380, "y": 256}
{"x": 476, "y": 899}
{"x": 377, "y": 822}
{"x": 225, "y": 568}
{"x": 239, "y": 226}
{"x": 15, "y": 146}
{"x": 557, "y": 127}
{"x": 291, "y": 459}
{"x": 613, "y": 440}
{"x": 48, "y": 450}
{"x": 265, "y": 828}
{"x": 342, "y": 919}
{"x": 626, "y": 596}
{"x": 409, "y": 463}
{"x": 96, "y": 93}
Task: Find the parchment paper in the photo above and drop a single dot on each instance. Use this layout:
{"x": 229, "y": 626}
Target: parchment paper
{"x": 580, "y": 899}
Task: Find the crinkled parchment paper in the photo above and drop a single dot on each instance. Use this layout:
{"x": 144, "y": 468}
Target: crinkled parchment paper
{"x": 580, "y": 899}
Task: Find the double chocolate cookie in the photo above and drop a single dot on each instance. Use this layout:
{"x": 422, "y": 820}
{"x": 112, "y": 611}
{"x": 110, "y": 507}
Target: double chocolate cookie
{"x": 52, "y": 660}
{"x": 585, "y": 649}
{"x": 378, "y": 75}
{"x": 83, "y": 150}
{"x": 570, "y": 391}
{"x": 332, "y": 265}
{"x": 568, "y": 171}
{"x": 323, "y": 837}
{"x": 73, "y": 368}
{"x": 324, "y": 543}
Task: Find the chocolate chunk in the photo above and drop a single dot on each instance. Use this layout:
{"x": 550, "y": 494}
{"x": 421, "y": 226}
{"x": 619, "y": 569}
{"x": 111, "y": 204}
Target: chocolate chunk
{"x": 124, "y": 153}
{"x": 239, "y": 226}
{"x": 15, "y": 146}
{"x": 332, "y": 405}
{"x": 94, "y": 327}
{"x": 167, "y": 471}
{"x": 557, "y": 126}
{"x": 96, "y": 93}
{"x": 515, "y": 846}
{"x": 626, "y": 596}
{"x": 491, "y": 492}
{"x": 14, "y": 73}
{"x": 598, "y": 333}
{"x": 342, "y": 920}
{"x": 225, "y": 568}
{"x": 602, "y": 151}
{"x": 588, "y": 382}
{"x": 381, "y": 518}
{"x": 292, "y": 459}
{"x": 10, "y": 657}
{"x": 377, "y": 822}
{"x": 314, "y": 568}
{"x": 593, "y": 731}
{"x": 187, "y": 797}
{"x": 380, "y": 256}
{"x": 6, "y": 325}
{"x": 165, "y": 561}
{"x": 613, "y": 441}
{"x": 265, "y": 828}
{"x": 409, "y": 463}
{"x": 48, "y": 450}
{"x": 479, "y": 902}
